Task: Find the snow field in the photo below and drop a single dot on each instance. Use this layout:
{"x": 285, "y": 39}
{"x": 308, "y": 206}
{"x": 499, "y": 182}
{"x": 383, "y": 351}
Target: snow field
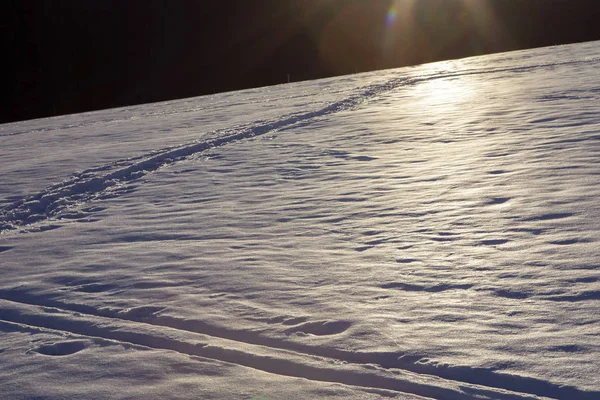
{"x": 430, "y": 231}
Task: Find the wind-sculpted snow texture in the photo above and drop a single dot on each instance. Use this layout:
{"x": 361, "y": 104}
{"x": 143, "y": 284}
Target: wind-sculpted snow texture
{"x": 427, "y": 232}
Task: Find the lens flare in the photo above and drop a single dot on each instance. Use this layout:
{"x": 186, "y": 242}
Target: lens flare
{"x": 391, "y": 17}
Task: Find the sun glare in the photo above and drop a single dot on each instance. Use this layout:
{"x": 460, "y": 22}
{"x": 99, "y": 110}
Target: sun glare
{"x": 445, "y": 91}
{"x": 448, "y": 91}
{"x": 433, "y": 30}
{"x": 357, "y": 37}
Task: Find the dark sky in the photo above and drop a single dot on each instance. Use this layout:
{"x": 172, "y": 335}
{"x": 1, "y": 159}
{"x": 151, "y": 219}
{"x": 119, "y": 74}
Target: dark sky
{"x": 65, "y": 56}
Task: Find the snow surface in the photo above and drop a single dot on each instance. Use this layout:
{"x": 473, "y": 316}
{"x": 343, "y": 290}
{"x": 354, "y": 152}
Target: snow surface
{"x": 425, "y": 232}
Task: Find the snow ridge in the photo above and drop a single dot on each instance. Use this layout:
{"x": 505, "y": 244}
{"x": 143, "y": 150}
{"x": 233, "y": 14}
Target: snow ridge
{"x": 166, "y": 112}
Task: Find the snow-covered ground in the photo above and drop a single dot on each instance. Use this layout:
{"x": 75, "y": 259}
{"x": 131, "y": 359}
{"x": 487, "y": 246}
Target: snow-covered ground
{"x": 425, "y": 232}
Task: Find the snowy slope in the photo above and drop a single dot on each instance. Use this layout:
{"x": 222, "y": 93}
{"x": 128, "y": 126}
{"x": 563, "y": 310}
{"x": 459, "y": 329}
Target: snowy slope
{"x": 423, "y": 232}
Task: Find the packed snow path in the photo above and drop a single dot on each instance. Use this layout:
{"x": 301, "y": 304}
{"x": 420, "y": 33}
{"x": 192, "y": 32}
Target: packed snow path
{"x": 429, "y": 231}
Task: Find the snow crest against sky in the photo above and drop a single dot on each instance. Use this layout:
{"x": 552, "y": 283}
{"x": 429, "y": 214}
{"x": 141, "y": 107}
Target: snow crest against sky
{"x": 425, "y": 232}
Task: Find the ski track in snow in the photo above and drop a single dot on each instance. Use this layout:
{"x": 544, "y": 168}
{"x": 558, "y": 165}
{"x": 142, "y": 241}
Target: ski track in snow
{"x": 143, "y": 326}
{"x": 59, "y": 201}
